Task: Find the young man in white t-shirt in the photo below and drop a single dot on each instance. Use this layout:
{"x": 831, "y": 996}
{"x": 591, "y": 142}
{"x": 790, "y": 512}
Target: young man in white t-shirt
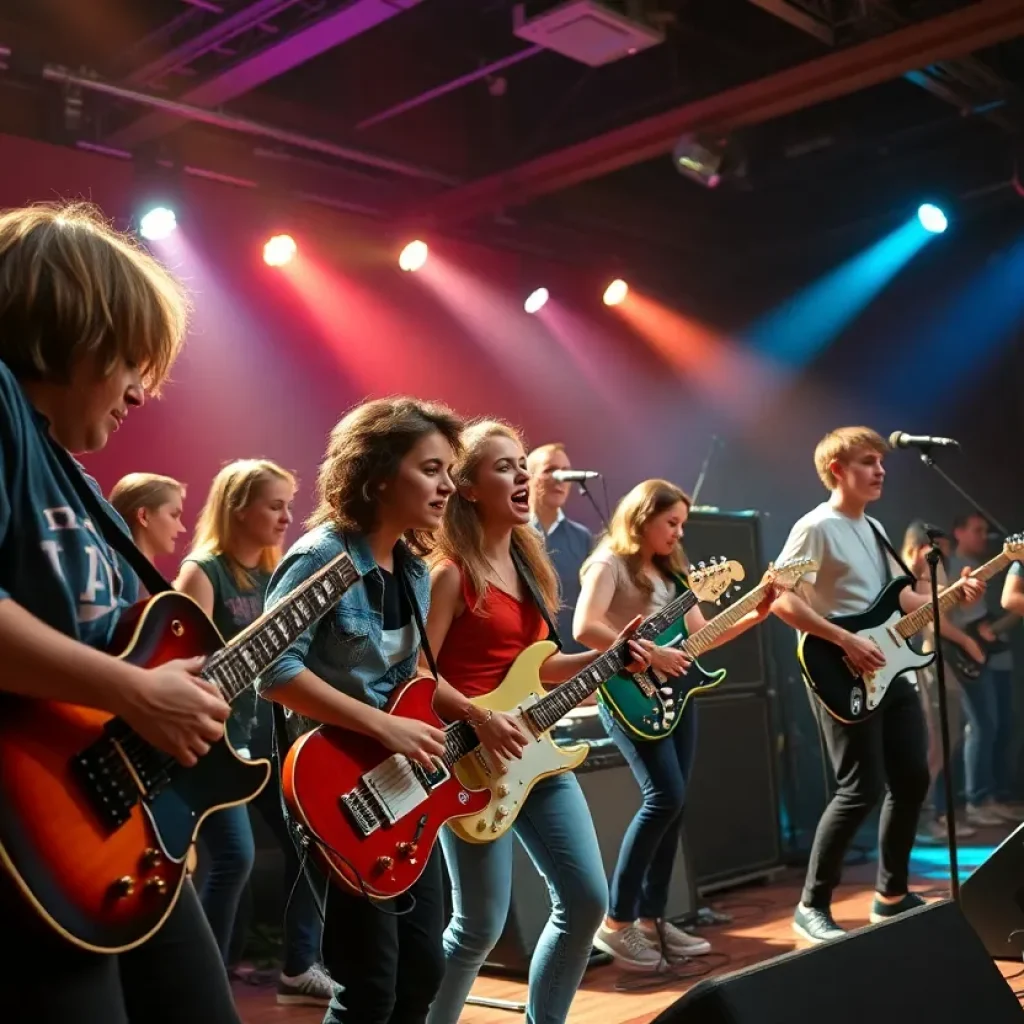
{"x": 887, "y": 753}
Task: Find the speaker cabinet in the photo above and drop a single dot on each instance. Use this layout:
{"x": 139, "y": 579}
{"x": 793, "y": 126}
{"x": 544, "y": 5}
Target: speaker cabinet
{"x": 737, "y": 537}
{"x": 613, "y": 797}
{"x": 926, "y": 965}
{"x": 732, "y": 814}
{"x": 992, "y": 899}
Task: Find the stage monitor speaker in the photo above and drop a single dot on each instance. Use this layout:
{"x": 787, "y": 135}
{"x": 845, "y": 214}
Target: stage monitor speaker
{"x": 992, "y": 899}
{"x": 732, "y": 815}
{"x": 925, "y": 965}
{"x": 736, "y": 536}
{"x": 613, "y": 797}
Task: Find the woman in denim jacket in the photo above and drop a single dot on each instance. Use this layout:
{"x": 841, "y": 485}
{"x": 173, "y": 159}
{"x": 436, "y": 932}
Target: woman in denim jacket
{"x": 384, "y": 479}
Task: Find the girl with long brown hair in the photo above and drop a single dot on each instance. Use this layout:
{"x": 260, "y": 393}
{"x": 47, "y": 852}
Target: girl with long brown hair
{"x": 636, "y": 569}
{"x": 383, "y": 482}
{"x": 482, "y": 616}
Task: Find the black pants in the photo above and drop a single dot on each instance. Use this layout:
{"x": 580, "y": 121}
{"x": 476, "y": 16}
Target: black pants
{"x": 886, "y": 754}
{"x": 177, "y": 977}
{"x": 387, "y": 968}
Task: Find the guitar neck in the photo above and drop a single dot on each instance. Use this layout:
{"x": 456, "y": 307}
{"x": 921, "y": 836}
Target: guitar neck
{"x": 705, "y": 637}
{"x": 917, "y": 620}
{"x": 570, "y": 694}
{"x": 234, "y": 668}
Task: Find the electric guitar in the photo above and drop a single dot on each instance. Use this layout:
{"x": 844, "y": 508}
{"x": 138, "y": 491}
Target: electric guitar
{"x": 95, "y": 823}
{"x": 851, "y": 697}
{"x": 961, "y": 662}
{"x": 650, "y": 704}
{"x": 373, "y": 816}
{"x": 522, "y": 695}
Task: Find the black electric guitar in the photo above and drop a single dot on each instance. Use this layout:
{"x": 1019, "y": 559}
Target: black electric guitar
{"x": 846, "y": 694}
{"x": 961, "y": 662}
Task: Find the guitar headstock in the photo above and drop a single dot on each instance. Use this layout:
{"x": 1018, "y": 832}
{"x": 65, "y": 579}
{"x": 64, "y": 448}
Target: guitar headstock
{"x": 787, "y": 576}
{"x": 710, "y": 580}
{"x": 1013, "y": 548}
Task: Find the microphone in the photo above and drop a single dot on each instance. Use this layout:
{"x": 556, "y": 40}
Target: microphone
{"x": 569, "y": 476}
{"x": 897, "y": 439}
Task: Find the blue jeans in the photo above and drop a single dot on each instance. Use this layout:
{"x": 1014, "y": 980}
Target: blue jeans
{"x": 227, "y": 836}
{"x": 662, "y": 768}
{"x": 557, "y": 832}
{"x": 981, "y": 708}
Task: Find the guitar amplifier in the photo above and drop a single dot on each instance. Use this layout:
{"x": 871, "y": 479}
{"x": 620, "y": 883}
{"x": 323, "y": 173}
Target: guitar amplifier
{"x": 735, "y": 536}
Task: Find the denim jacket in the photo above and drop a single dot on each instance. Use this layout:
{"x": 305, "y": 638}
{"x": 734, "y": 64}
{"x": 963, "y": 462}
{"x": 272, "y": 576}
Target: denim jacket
{"x": 345, "y": 647}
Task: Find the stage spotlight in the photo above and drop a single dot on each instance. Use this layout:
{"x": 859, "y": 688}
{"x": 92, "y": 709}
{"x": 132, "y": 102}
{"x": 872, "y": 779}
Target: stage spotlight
{"x": 535, "y": 300}
{"x": 615, "y": 292}
{"x": 414, "y": 255}
{"x": 279, "y": 250}
{"x": 932, "y": 218}
{"x": 157, "y": 223}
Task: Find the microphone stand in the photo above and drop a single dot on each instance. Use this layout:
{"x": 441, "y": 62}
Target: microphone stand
{"x": 584, "y": 491}
{"x": 933, "y": 557}
{"x": 698, "y": 486}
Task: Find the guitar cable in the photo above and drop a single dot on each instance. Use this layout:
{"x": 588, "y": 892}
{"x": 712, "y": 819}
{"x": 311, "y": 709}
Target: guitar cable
{"x": 671, "y": 968}
{"x": 304, "y": 838}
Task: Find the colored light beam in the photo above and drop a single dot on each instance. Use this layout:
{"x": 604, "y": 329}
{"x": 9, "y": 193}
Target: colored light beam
{"x": 380, "y": 350}
{"x": 797, "y": 331}
{"x": 737, "y": 382}
{"x": 957, "y": 340}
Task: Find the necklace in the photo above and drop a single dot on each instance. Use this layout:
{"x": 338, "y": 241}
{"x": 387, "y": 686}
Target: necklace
{"x": 868, "y": 550}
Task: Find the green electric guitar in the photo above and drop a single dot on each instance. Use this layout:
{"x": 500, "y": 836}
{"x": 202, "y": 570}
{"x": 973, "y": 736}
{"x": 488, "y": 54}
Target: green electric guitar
{"x": 649, "y": 704}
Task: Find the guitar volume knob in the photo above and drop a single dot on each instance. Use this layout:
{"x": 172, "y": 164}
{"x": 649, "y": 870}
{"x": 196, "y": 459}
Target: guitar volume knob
{"x": 151, "y": 859}
{"x": 384, "y": 863}
{"x": 157, "y": 885}
{"x": 124, "y": 886}
{"x": 503, "y": 790}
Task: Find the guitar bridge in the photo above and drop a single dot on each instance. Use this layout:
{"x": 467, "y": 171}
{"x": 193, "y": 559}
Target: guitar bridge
{"x": 647, "y": 688}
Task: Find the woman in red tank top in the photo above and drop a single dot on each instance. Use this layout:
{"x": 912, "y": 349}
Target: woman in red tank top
{"x": 482, "y": 616}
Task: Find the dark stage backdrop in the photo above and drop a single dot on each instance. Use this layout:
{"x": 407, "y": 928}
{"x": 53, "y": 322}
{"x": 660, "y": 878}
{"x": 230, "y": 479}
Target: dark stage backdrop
{"x": 268, "y": 371}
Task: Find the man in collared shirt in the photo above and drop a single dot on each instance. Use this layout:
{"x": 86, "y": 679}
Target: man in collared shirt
{"x": 568, "y": 543}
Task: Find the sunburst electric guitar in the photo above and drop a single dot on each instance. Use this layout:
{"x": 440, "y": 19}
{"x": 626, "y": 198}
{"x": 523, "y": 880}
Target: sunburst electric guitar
{"x": 95, "y": 823}
{"x": 850, "y": 696}
{"x": 522, "y": 695}
{"x": 373, "y": 816}
{"x": 650, "y": 704}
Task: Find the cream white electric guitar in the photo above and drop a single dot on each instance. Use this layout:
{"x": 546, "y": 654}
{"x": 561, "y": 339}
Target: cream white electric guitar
{"x": 521, "y": 694}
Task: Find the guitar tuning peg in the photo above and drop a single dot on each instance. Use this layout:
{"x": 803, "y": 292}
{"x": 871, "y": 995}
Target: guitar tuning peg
{"x": 700, "y": 565}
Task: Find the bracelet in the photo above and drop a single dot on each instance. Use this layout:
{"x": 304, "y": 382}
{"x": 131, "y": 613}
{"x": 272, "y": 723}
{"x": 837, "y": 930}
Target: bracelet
{"x": 488, "y": 714}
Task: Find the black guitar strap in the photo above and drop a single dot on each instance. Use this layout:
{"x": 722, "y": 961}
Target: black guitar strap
{"x": 111, "y": 530}
{"x": 884, "y": 544}
{"x": 531, "y": 585}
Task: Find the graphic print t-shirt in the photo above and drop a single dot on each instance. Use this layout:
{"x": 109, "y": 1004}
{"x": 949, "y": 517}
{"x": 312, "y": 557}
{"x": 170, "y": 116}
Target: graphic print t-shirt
{"x": 400, "y": 637}
{"x": 53, "y": 559}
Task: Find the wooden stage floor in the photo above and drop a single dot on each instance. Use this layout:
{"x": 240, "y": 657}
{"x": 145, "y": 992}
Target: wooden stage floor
{"x": 760, "y": 930}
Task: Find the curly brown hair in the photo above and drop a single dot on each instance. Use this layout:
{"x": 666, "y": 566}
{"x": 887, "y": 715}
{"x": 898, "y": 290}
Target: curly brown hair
{"x": 365, "y": 449}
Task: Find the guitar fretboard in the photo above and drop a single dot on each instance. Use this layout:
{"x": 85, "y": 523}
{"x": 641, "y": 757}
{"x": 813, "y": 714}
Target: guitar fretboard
{"x": 560, "y": 701}
{"x": 234, "y": 668}
{"x": 913, "y": 623}
{"x": 705, "y": 637}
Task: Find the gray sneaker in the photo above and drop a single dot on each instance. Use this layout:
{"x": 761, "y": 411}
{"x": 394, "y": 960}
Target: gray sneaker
{"x": 629, "y": 947}
{"x": 311, "y": 988}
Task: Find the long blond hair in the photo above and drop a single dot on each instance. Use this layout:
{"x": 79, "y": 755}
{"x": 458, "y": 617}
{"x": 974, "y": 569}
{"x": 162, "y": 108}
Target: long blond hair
{"x": 460, "y": 538}
{"x": 233, "y": 490}
{"x": 143, "y": 491}
{"x": 626, "y": 530}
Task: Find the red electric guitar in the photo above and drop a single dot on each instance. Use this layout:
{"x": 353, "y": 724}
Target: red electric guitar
{"x": 377, "y": 835}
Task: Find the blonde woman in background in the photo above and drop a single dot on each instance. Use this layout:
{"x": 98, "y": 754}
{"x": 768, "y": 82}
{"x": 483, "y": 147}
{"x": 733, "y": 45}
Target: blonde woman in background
{"x": 151, "y": 505}
{"x": 636, "y": 569}
{"x": 235, "y": 549}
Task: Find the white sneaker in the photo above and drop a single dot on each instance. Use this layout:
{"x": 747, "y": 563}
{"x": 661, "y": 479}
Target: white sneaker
{"x": 983, "y": 817}
{"x": 311, "y": 988}
{"x": 629, "y": 947}
{"x": 677, "y": 942}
